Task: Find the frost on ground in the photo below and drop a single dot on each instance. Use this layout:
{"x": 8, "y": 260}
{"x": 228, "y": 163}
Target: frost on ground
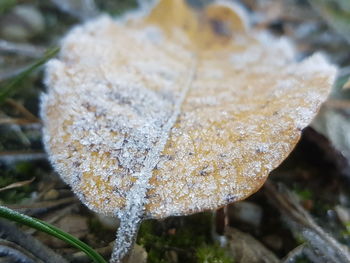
{"x": 151, "y": 118}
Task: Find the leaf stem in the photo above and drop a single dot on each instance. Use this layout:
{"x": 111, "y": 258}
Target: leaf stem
{"x": 126, "y": 237}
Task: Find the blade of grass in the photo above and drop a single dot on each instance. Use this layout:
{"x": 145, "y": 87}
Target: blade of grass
{"x": 51, "y": 230}
{"x": 12, "y": 86}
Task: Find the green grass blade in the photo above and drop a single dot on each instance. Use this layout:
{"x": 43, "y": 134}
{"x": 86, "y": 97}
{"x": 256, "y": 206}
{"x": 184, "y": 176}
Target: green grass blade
{"x": 51, "y": 230}
{"x": 12, "y": 86}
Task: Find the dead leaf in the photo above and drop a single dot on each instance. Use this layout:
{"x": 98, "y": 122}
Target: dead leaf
{"x": 175, "y": 112}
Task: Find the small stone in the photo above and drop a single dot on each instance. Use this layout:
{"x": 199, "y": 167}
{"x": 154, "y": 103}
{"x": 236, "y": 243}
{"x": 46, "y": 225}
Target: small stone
{"x": 246, "y": 212}
{"x": 52, "y": 194}
{"x": 138, "y": 255}
{"x": 244, "y": 248}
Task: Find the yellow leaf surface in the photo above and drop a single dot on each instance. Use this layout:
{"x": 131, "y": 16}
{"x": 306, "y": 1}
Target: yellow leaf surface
{"x": 176, "y": 111}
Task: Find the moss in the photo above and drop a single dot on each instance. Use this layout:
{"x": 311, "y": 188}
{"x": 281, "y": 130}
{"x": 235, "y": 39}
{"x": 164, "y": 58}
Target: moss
{"x": 189, "y": 237}
{"x": 212, "y": 254}
{"x": 299, "y": 238}
{"x": 304, "y": 194}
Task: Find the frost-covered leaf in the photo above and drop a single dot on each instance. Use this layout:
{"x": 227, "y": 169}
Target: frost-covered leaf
{"x": 176, "y": 111}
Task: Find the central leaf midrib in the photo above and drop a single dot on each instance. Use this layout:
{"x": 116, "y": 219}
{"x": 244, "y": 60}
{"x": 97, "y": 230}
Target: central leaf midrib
{"x": 133, "y": 212}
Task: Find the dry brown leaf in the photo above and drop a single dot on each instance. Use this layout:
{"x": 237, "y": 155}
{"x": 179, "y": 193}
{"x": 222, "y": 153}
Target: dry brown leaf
{"x": 175, "y": 112}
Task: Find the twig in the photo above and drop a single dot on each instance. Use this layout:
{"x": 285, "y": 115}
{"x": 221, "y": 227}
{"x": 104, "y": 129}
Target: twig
{"x": 17, "y": 184}
{"x": 294, "y": 254}
{"x": 221, "y": 220}
{"x": 26, "y": 113}
{"x": 310, "y": 255}
{"x": 299, "y": 251}
{"x": 11, "y": 233}
{"x": 16, "y": 253}
{"x": 323, "y": 245}
{"x": 220, "y": 223}
{"x": 17, "y": 121}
